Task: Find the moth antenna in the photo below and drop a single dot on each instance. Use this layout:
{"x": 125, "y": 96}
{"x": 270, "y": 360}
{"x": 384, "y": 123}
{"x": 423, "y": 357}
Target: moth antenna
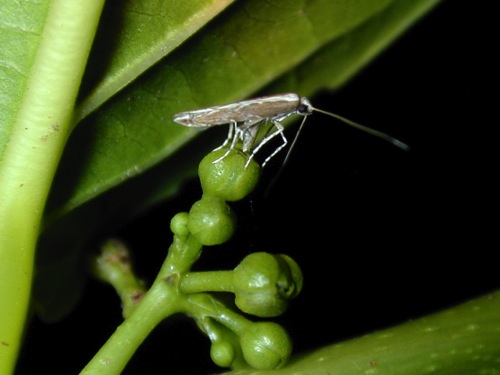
{"x": 368, "y": 130}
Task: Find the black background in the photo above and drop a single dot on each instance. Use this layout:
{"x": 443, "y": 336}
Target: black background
{"x": 382, "y": 236}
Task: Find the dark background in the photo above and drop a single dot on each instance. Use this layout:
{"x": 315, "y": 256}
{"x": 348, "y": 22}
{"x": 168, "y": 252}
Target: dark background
{"x": 383, "y": 236}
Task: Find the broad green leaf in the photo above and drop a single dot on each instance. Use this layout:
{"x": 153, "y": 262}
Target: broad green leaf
{"x": 21, "y": 24}
{"x": 39, "y": 123}
{"x": 332, "y": 66}
{"x": 133, "y": 36}
{"x": 460, "y": 340}
{"x": 329, "y": 67}
{"x": 244, "y": 50}
{"x": 129, "y": 154}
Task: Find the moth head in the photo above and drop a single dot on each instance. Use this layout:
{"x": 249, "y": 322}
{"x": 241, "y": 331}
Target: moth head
{"x": 305, "y": 108}
{"x": 182, "y": 118}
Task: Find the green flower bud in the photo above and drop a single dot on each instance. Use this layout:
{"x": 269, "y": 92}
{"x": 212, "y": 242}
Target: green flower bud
{"x": 179, "y": 224}
{"x": 266, "y": 345}
{"x": 211, "y": 221}
{"x": 264, "y": 283}
{"x": 222, "y": 353}
{"x": 228, "y": 178}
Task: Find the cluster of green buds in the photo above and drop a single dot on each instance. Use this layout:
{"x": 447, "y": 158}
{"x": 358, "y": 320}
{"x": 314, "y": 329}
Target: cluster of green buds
{"x": 262, "y": 284}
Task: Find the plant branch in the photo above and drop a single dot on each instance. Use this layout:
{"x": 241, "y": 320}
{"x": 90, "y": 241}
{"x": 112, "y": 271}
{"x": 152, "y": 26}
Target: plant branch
{"x": 162, "y": 300}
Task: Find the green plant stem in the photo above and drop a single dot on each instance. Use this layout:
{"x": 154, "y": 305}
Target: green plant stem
{"x": 113, "y": 265}
{"x": 162, "y": 300}
{"x": 42, "y": 127}
{"x": 209, "y": 281}
{"x": 204, "y": 305}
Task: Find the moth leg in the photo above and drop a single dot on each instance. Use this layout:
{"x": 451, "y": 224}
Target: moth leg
{"x": 232, "y": 127}
{"x": 279, "y": 130}
{"x": 246, "y": 133}
{"x": 233, "y": 136}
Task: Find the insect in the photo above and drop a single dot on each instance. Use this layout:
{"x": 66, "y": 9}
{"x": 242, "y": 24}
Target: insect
{"x": 246, "y": 117}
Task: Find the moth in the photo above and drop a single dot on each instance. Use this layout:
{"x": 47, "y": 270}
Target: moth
{"x": 247, "y": 116}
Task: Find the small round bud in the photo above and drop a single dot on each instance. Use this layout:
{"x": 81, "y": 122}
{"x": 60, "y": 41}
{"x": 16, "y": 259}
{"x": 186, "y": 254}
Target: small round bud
{"x": 265, "y": 345}
{"x": 211, "y": 221}
{"x": 222, "y": 353}
{"x": 228, "y": 178}
{"x": 179, "y": 224}
{"x": 263, "y": 283}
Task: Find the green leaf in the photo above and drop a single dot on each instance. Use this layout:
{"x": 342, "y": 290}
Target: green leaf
{"x": 21, "y": 25}
{"x": 461, "y": 340}
{"x": 129, "y": 155}
{"x": 37, "y": 124}
{"x": 241, "y": 52}
{"x": 134, "y": 36}
{"x": 333, "y": 65}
